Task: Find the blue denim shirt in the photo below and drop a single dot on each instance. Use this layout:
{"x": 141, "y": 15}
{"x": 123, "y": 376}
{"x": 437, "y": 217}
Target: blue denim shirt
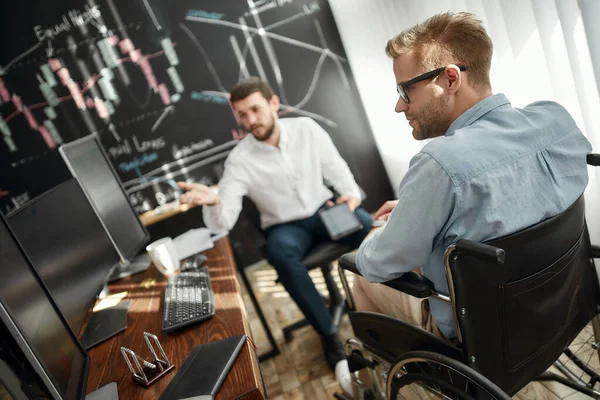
{"x": 497, "y": 170}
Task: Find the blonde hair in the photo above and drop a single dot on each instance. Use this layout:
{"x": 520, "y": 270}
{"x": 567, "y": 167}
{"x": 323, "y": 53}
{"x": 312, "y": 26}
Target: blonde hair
{"x": 448, "y": 38}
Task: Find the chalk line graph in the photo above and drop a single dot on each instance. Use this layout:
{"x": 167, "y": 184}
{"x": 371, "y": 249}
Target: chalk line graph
{"x": 265, "y": 32}
{"x": 257, "y": 45}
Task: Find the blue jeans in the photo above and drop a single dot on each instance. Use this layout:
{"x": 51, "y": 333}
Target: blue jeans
{"x": 288, "y": 244}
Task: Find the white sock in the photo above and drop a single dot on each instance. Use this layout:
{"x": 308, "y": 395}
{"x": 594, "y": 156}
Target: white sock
{"x": 343, "y": 376}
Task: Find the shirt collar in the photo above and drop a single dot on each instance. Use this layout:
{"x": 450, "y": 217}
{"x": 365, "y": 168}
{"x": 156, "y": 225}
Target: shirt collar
{"x": 283, "y": 140}
{"x": 477, "y": 111}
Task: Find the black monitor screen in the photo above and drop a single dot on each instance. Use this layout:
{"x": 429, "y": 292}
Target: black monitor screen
{"x": 89, "y": 164}
{"x": 68, "y": 247}
{"x": 29, "y": 314}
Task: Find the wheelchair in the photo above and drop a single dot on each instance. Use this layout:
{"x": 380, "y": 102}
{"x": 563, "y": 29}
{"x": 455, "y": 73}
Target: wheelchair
{"x": 521, "y": 303}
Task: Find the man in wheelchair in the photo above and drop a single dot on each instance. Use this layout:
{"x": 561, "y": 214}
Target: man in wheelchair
{"x": 492, "y": 211}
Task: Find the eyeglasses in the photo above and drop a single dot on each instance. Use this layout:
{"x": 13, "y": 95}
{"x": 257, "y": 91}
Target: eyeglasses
{"x": 402, "y": 87}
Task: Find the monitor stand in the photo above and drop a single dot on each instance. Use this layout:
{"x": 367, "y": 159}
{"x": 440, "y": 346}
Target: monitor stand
{"x": 135, "y": 266}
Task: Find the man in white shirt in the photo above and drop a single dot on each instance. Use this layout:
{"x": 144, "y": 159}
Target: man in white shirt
{"x": 282, "y": 167}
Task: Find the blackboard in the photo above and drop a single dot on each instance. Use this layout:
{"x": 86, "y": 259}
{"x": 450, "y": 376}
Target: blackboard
{"x": 150, "y": 78}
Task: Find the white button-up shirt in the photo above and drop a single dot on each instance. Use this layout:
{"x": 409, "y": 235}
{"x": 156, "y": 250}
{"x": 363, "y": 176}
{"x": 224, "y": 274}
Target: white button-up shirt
{"x": 285, "y": 183}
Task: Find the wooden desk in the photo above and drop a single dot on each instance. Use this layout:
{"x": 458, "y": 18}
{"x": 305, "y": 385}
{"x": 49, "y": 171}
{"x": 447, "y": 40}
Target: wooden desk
{"x": 150, "y": 218}
{"x": 145, "y": 314}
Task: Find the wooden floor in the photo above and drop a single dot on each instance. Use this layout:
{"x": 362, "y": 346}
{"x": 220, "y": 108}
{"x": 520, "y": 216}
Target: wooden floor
{"x": 300, "y": 372}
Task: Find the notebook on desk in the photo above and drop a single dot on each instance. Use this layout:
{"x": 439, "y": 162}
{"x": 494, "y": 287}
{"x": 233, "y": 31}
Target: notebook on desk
{"x": 203, "y": 372}
{"x": 105, "y": 324}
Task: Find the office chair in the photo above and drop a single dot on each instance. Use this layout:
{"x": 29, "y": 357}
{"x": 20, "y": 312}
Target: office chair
{"x": 320, "y": 256}
{"x": 518, "y": 301}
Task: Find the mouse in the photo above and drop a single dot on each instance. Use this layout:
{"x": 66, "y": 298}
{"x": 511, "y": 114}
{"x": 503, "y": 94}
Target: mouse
{"x": 193, "y": 262}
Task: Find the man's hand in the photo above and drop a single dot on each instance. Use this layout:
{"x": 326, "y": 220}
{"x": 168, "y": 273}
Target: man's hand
{"x": 197, "y": 194}
{"x": 384, "y": 211}
{"x": 352, "y": 202}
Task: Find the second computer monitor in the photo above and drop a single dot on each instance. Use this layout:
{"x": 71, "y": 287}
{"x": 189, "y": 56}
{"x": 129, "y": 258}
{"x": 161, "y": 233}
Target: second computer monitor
{"x": 90, "y": 165}
{"x": 69, "y": 248}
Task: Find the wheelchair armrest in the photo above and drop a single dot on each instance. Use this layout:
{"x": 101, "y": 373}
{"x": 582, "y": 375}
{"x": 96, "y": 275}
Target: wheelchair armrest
{"x": 348, "y": 262}
{"x": 411, "y": 283}
{"x": 481, "y": 250}
{"x": 595, "y": 251}
{"x": 593, "y": 159}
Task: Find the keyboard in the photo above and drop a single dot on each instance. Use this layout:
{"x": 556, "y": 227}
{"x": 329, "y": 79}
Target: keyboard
{"x": 189, "y": 299}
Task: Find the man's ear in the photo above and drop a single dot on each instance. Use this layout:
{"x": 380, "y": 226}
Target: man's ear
{"x": 454, "y": 78}
{"x": 274, "y": 102}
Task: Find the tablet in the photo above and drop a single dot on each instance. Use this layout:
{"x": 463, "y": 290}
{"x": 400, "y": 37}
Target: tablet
{"x": 339, "y": 221}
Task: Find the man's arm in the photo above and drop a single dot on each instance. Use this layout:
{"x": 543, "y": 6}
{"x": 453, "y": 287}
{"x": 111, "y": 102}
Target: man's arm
{"x": 426, "y": 202}
{"x": 220, "y": 211}
{"x": 335, "y": 169}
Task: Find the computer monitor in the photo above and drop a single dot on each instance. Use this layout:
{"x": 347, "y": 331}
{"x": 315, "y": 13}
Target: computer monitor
{"x": 89, "y": 164}
{"x": 36, "y": 340}
{"x": 68, "y": 247}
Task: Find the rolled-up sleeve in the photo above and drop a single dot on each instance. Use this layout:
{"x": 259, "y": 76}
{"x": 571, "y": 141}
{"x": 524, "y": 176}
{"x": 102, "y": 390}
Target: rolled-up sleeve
{"x": 232, "y": 188}
{"x": 426, "y": 200}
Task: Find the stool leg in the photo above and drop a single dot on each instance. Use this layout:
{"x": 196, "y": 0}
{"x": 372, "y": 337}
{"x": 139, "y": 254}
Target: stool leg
{"x": 289, "y": 330}
{"x": 337, "y": 306}
{"x": 334, "y": 292}
{"x": 274, "y": 348}
{"x": 337, "y": 313}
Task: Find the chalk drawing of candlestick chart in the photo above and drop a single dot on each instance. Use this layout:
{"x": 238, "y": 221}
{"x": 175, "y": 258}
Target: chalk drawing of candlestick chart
{"x": 152, "y": 78}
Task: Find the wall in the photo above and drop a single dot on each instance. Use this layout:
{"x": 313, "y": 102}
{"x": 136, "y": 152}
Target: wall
{"x": 365, "y": 28}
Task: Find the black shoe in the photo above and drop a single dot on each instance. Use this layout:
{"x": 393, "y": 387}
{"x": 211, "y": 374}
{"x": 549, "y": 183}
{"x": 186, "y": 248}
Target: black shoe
{"x": 333, "y": 349}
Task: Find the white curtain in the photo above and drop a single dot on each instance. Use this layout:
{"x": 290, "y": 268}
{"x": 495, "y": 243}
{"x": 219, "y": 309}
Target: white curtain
{"x": 543, "y": 50}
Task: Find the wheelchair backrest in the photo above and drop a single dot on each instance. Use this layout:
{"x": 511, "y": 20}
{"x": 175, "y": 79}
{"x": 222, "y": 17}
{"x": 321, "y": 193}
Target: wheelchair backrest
{"x": 516, "y": 319}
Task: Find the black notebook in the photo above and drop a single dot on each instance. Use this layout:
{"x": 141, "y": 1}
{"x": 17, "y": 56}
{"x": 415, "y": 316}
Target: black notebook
{"x": 105, "y": 324}
{"x": 203, "y": 372}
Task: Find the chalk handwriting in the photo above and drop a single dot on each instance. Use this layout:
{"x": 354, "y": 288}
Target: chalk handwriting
{"x": 21, "y": 199}
{"x": 163, "y": 198}
{"x": 204, "y": 14}
{"x": 68, "y": 21}
{"x": 194, "y": 147}
{"x": 136, "y": 198}
{"x": 208, "y": 98}
{"x": 119, "y": 150}
{"x": 138, "y": 162}
{"x": 142, "y": 208}
{"x": 146, "y": 145}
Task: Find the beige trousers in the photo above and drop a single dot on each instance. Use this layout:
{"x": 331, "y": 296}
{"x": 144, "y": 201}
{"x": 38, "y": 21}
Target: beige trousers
{"x": 375, "y": 297}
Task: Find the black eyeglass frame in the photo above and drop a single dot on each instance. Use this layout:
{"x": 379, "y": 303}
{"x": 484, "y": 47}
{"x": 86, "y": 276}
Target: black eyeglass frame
{"x": 401, "y": 88}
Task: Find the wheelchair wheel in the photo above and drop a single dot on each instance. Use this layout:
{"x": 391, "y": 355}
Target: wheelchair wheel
{"x": 427, "y": 375}
{"x": 580, "y": 362}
